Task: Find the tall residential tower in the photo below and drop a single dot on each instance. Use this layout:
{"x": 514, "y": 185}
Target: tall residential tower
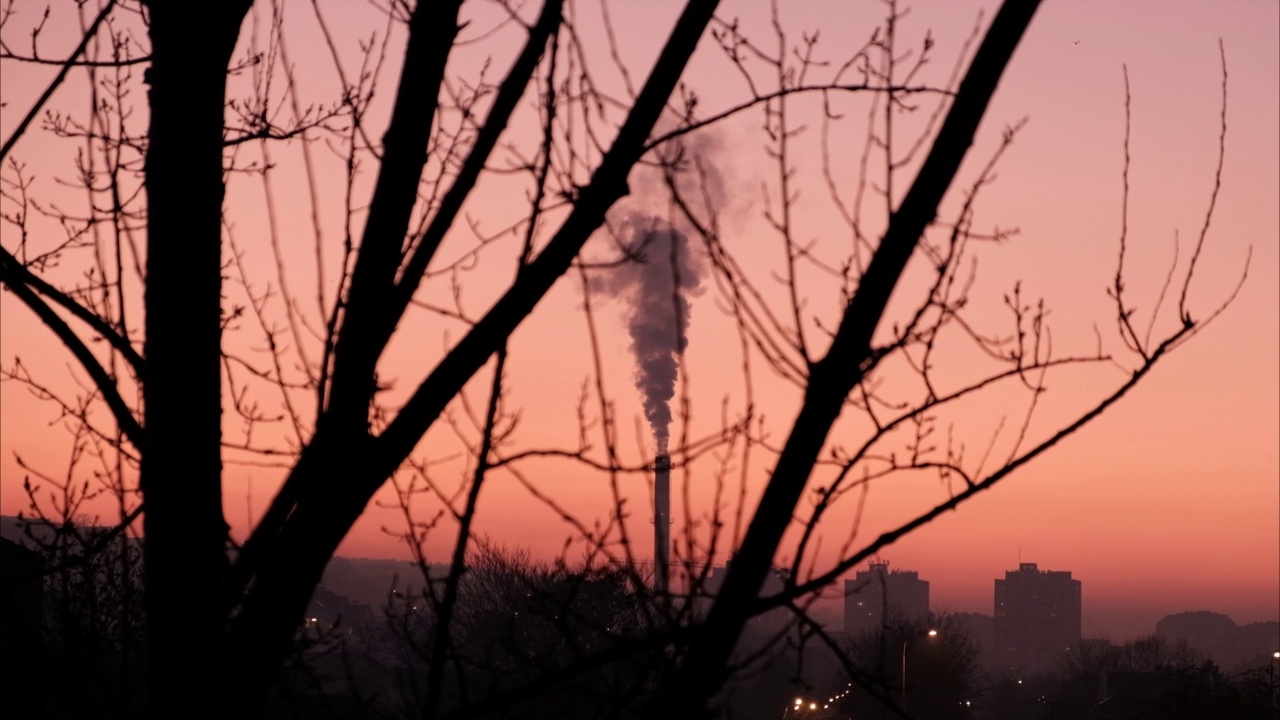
{"x": 1037, "y": 617}
{"x": 879, "y": 593}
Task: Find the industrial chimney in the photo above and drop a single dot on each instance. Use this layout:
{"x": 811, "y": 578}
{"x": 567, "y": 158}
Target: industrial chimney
{"x": 661, "y": 524}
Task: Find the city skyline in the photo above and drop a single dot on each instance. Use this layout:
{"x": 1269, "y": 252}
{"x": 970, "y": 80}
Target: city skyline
{"x": 360, "y": 590}
{"x": 1124, "y": 624}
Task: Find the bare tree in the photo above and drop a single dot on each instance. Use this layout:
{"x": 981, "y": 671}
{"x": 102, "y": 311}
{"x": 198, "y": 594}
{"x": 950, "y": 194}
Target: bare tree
{"x": 516, "y": 622}
{"x": 933, "y": 660}
{"x": 311, "y": 397}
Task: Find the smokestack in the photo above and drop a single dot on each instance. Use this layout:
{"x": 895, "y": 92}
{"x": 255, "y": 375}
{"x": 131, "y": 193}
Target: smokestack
{"x": 661, "y": 524}
{"x": 662, "y": 273}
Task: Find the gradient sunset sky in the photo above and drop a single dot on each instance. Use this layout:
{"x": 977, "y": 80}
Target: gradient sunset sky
{"x": 1168, "y": 502}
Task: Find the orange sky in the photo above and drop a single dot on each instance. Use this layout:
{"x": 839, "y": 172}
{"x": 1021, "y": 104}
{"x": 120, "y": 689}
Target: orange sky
{"x": 1169, "y": 502}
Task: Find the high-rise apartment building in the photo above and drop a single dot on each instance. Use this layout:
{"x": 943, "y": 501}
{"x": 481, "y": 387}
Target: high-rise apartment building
{"x": 871, "y": 592}
{"x": 1037, "y": 617}
{"x": 705, "y": 590}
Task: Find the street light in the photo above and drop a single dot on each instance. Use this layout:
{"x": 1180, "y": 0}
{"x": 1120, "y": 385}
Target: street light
{"x": 905, "y": 640}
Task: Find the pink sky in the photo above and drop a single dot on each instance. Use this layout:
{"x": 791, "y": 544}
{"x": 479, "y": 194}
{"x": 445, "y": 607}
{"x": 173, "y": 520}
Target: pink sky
{"x": 1169, "y": 502}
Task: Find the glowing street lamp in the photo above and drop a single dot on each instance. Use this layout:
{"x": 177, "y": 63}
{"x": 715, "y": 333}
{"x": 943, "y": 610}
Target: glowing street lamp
{"x": 931, "y": 633}
{"x": 1271, "y": 676}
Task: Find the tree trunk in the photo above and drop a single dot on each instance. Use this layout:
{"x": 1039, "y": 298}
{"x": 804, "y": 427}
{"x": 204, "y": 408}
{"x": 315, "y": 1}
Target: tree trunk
{"x": 181, "y": 470}
{"x": 260, "y": 637}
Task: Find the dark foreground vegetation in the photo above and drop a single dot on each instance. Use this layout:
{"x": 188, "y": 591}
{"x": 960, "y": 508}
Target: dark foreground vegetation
{"x": 73, "y": 625}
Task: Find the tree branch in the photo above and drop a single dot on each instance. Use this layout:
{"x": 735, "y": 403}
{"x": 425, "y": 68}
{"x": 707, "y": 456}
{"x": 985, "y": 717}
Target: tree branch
{"x": 12, "y": 272}
{"x": 57, "y": 79}
{"x": 432, "y": 31}
{"x": 123, "y": 415}
{"x": 509, "y": 94}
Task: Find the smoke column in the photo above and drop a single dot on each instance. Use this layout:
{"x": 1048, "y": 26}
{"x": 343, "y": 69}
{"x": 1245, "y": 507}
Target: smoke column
{"x": 657, "y": 289}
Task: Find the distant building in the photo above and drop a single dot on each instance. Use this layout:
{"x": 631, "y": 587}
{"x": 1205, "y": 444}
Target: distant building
{"x": 705, "y": 591}
{"x": 1037, "y": 617}
{"x": 879, "y": 593}
{"x": 981, "y": 629}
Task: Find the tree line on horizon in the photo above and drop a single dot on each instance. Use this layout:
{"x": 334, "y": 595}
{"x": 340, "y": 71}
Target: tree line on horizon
{"x": 518, "y": 616}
